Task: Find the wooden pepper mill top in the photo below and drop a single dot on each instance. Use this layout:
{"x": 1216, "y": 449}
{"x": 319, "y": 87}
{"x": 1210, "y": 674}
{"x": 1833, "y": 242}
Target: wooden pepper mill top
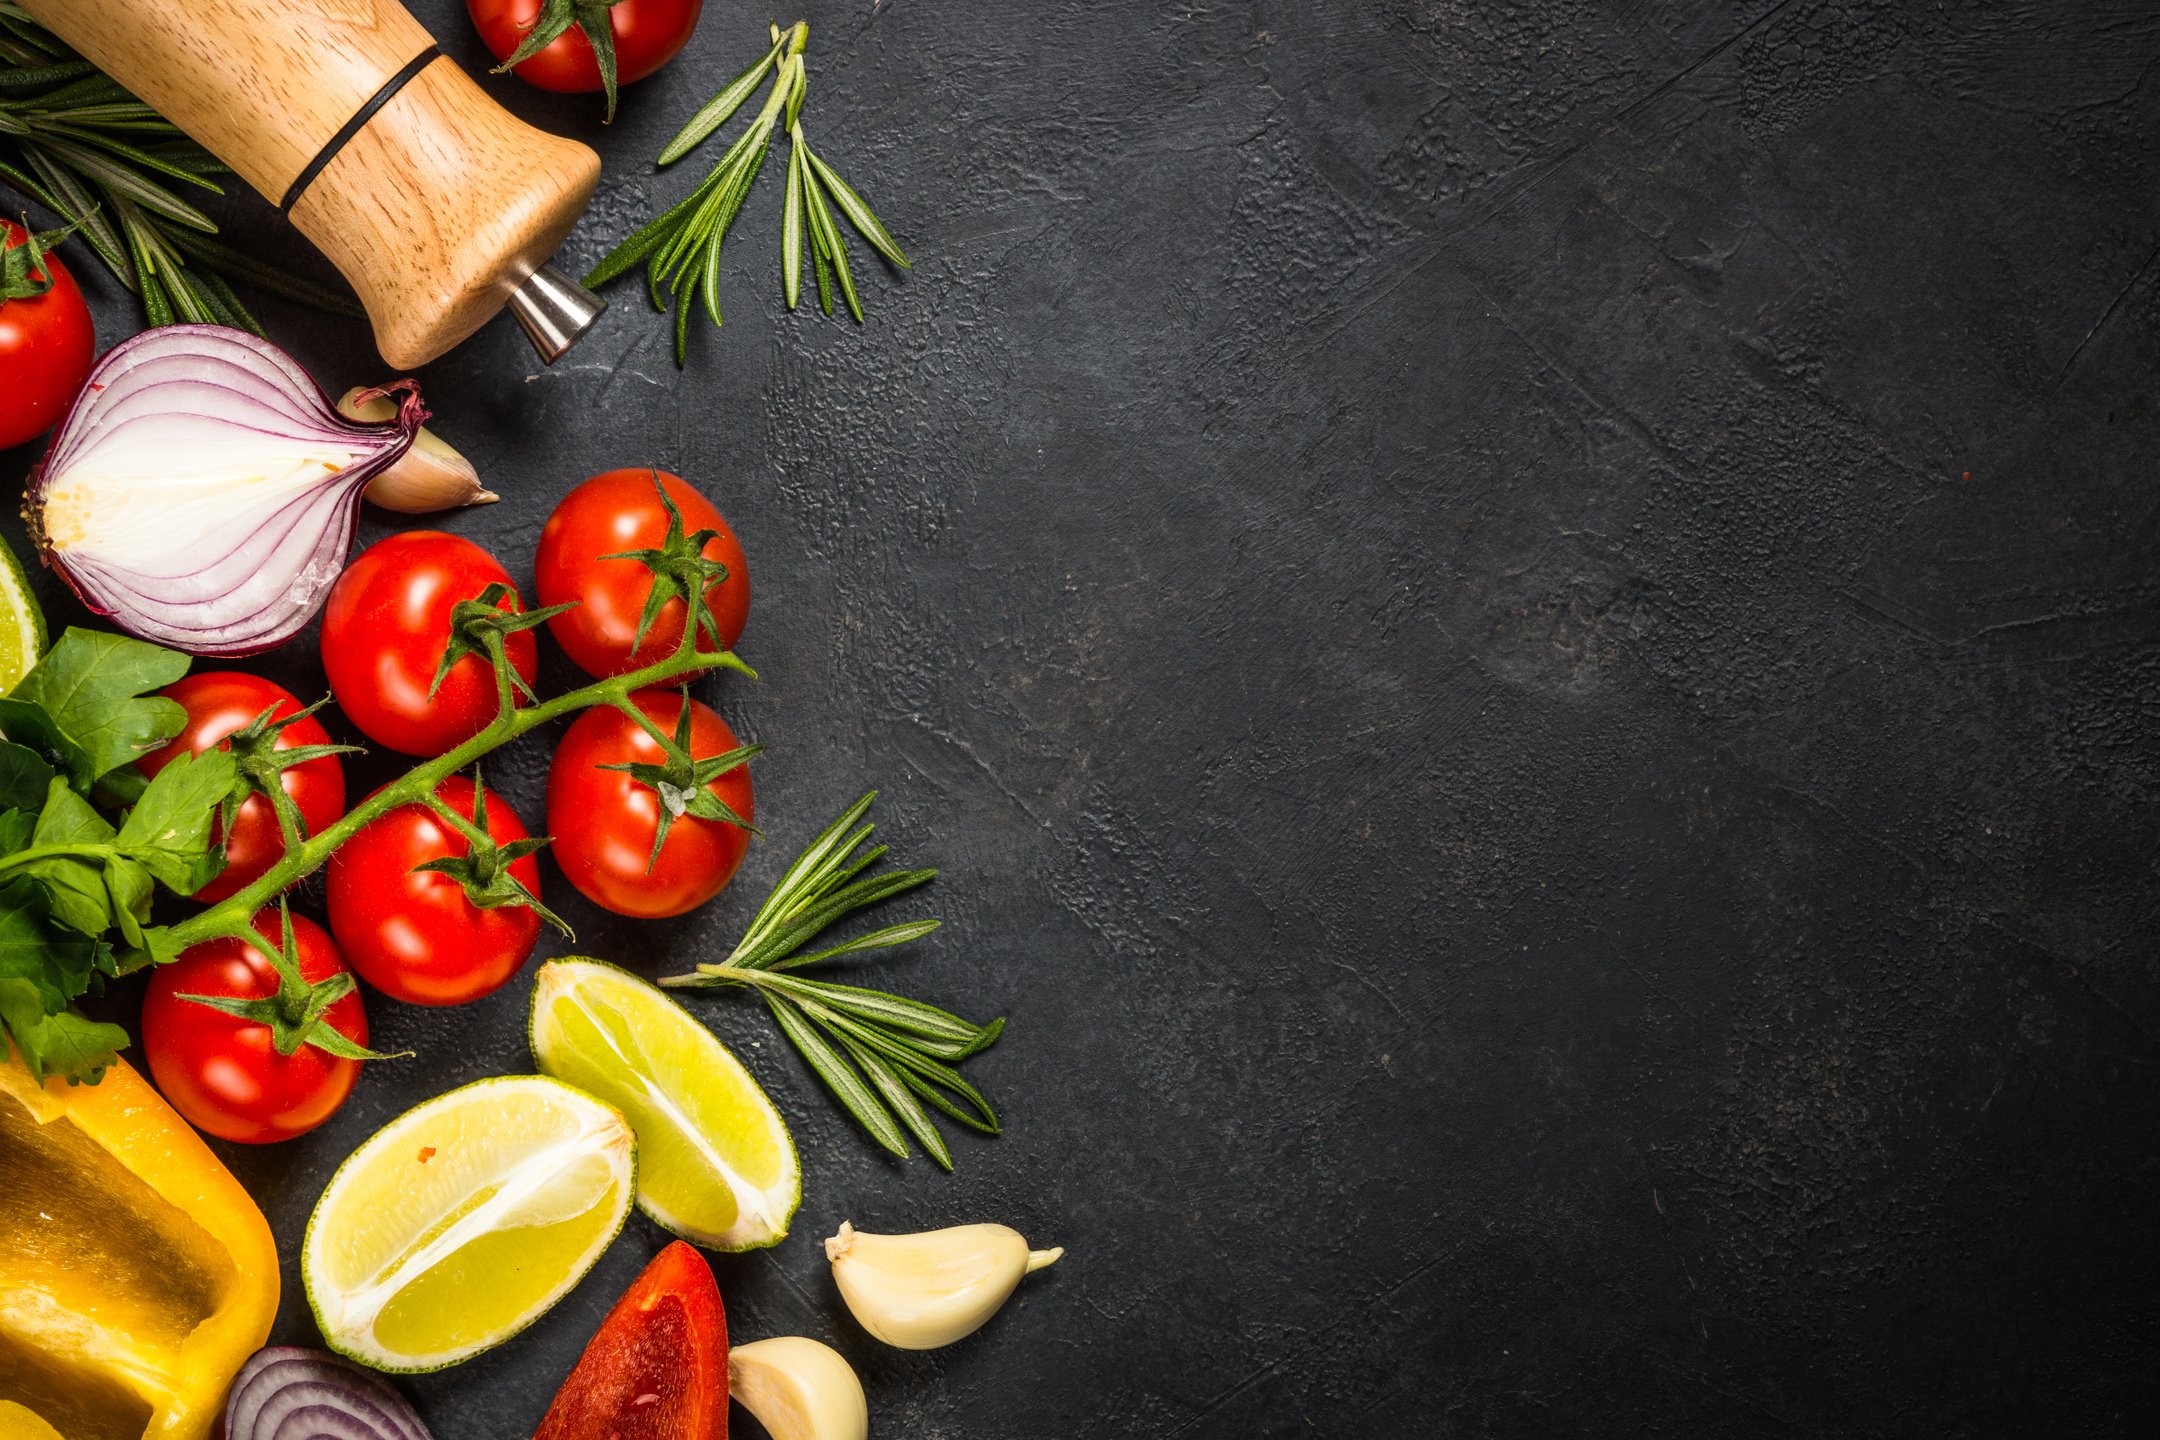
{"x": 436, "y": 203}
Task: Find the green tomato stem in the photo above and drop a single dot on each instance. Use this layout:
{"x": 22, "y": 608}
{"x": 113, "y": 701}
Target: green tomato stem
{"x": 232, "y": 915}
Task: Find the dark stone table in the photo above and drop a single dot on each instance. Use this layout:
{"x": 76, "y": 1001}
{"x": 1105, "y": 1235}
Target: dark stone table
{"x": 1526, "y": 636}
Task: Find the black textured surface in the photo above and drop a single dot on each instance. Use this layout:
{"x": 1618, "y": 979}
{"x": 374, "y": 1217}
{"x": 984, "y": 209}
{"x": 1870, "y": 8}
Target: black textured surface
{"x": 1526, "y": 635}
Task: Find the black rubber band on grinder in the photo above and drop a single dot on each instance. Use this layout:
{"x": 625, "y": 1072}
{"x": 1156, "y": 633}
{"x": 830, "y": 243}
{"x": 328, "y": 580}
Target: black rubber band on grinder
{"x": 354, "y": 126}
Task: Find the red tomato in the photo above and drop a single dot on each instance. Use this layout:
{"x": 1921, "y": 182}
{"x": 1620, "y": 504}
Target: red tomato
{"x": 657, "y": 1367}
{"x": 648, "y": 34}
{"x": 604, "y": 821}
{"x": 385, "y": 628}
{"x": 222, "y": 1072}
{"x": 414, "y": 934}
{"x": 219, "y": 702}
{"x": 607, "y": 515}
{"x": 46, "y": 345}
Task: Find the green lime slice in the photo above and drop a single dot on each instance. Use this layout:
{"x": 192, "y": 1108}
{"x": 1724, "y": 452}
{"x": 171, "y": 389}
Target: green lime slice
{"x": 715, "y": 1162}
{"x": 460, "y": 1222}
{"x": 22, "y": 624}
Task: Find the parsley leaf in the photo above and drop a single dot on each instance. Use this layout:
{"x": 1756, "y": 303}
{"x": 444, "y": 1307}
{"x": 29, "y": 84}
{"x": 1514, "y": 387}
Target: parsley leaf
{"x": 168, "y": 831}
{"x": 43, "y": 967}
{"x": 85, "y": 703}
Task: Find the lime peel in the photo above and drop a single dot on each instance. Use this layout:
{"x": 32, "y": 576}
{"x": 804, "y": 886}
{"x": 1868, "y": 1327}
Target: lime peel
{"x": 716, "y": 1163}
{"x": 522, "y": 1156}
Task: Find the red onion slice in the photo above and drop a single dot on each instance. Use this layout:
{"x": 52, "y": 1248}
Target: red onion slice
{"x": 203, "y": 490}
{"x": 288, "y": 1393}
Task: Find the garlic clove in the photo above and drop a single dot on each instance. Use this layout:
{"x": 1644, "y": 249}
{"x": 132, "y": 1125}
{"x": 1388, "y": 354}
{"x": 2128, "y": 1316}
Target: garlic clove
{"x": 430, "y": 476}
{"x": 798, "y": 1389}
{"x": 917, "y": 1292}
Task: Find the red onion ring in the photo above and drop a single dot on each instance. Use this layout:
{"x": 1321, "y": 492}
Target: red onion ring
{"x": 233, "y": 545}
{"x": 288, "y": 1393}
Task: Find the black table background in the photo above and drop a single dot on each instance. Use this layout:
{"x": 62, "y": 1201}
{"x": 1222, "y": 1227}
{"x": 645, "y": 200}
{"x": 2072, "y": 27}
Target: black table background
{"x": 1526, "y": 636}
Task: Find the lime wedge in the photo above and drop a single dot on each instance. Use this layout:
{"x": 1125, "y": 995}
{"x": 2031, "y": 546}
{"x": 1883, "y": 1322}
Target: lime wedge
{"x": 460, "y": 1222}
{"x": 715, "y": 1162}
{"x": 22, "y": 624}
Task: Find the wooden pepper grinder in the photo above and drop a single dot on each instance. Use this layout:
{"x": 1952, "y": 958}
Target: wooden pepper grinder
{"x": 437, "y": 204}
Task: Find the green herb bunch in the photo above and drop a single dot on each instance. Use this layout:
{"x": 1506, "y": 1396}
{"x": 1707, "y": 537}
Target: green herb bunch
{"x": 77, "y": 143}
{"x": 680, "y": 248}
{"x": 881, "y": 1055}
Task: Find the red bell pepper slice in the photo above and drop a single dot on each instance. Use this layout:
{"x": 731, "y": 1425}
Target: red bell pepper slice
{"x": 657, "y": 1368}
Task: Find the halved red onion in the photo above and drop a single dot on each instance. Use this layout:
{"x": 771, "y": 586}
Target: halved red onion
{"x": 288, "y": 1393}
{"x": 203, "y": 490}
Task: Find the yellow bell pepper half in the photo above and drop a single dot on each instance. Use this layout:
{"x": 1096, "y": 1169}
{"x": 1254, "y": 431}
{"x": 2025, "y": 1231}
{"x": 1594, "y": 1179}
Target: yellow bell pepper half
{"x": 136, "y": 1276}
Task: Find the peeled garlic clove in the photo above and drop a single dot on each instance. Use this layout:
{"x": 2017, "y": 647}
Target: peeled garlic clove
{"x": 430, "y": 476}
{"x": 798, "y": 1389}
{"x": 918, "y": 1292}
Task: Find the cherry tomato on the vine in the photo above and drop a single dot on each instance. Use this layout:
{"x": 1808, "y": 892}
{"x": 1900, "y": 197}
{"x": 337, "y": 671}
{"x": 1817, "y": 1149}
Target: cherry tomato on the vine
{"x": 219, "y": 702}
{"x": 385, "y": 629}
{"x": 648, "y": 34}
{"x": 604, "y": 821}
{"x": 46, "y": 340}
{"x": 223, "y": 1072}
{"x": 612, "y": 514}
{"x": 414, "y": 934}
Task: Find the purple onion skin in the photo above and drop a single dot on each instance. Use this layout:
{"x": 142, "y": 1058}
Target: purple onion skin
{"x": 280, "y": 376}
{"x": 286, "y": 1392}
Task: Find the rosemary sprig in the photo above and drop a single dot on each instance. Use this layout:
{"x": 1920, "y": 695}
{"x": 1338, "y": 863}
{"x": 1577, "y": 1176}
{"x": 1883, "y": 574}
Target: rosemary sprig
{"x": 75, "y": 142}
{"x": 680, "y": 248}
{"x": 883, "y": 1057}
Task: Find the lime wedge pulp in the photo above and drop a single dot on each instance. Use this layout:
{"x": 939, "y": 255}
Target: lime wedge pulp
{"x": 22, "y": 623}
{"x": 460, "y": 1222}
{"x": 715, "y": 1162}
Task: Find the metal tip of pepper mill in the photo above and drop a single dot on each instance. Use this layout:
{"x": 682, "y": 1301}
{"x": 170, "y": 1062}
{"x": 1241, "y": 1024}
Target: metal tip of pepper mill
{"x": 554, "y": 311}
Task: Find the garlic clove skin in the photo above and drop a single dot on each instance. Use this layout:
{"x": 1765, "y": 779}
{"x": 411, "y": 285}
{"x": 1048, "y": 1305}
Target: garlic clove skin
{"x": 918, "y": 1292}
{"x": 798, "y": 1389}
{"x": 431, "y": 476}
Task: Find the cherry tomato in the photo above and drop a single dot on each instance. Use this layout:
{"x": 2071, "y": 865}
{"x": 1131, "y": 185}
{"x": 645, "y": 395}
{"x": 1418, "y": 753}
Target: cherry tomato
{"x": 648, "y": 34}
{"x": 223, "y": 1072}
{"x": 414, "y": 934}
{"x": 604, "y": 821}
{"x": 219, "y": 702}
{"x": 385, "y": 628}
{"x": 608, "y": 515}
{"x": 46, "y": 345}
{"x": 657, "y": 1367}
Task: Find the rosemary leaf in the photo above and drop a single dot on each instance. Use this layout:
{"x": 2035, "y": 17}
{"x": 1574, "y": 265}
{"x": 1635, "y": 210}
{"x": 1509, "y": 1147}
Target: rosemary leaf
{"x": 821, "y": 224}
{"x": 36, "y": 77}
{"x": 56, "y": 131}
{"x": 95, "y": 88}
{"x": 806, "y": 925}
{"x": 791, "y": 227}
{"x": 930, "y": 1092}
{"x": 619, "y": 260}
{"x": 147, "y": 284}
{"x": 709, "y": 286}
{"x": 818, "y": 858}
{"x": 932, "y": 1072}
{"x": 118, "y": 180}
{"x": 875, "y": 940}
{"x": 858, "y": 213}
{"x": 891, "y": 1011}
{"x": 227, "y": 261}
{"x": 846, "y": 1086}
{"x": 732, "y": 201}
{"x": 224, "y": 306}
{"x": 76, "y": 206}
{"x": 720, "y": 109}
{"x": 682, "y": 325}
{"x": 900, "y": 1100}
{"x": 824, "y": 272}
